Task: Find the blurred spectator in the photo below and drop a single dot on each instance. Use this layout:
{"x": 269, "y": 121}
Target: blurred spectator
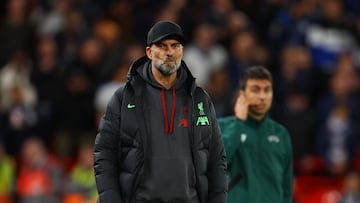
{"x": 110, "y": 36}
{"x": 18, "y": 98}
{"x": 244, "y": 52}
{"x": 217, "y": 13}
{"x": 16, "y": 30}
{"x": 294, "y": 72}
{"x": 328, "y": 37}
{"x": 81, "y": 178}
{"x": 338, "y": 113}
{"x": 296, "y": 114}
{"x": 47, "y": 78}
{"x": 91, "y": 61}
{"x": 40, "y": 175}
{"x": 220, "y": 93}
{"x": 342, "y": 88}
{"x": 121, "y": 13}
{"x": 52, "y": 22}
{"x": 16, "y": 73}
{"x": 69, "y": 38}
{"x": 236, "y": 22}
{"x": 207, "y": 60}
{"x": 351, "y": 188}
{"x": 289, "y": 22}
{"x": 7, "y": 176}
{"x": 134, "y": 50}
{"x": 91, "y": 10}
{"x": 204, "y": 54}
{"x": 21, "y": 120}
{"x": 105, "y": 91}
{"x": 346, "y": 65}
{"x": 76, "y": 113}
{"x": 96, "y": 61}
{"x": 263, "y": 14}
{"x": 338, "y": 139}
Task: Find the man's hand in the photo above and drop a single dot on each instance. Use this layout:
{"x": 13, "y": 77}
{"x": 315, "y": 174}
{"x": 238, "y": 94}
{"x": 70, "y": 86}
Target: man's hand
{"x": 241, "y": 106}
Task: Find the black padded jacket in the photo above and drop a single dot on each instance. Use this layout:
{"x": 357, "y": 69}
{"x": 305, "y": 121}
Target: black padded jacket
{"x": 120, "y": 145}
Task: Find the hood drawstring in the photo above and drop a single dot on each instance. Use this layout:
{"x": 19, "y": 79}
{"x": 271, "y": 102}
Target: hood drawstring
{"x": 169, "y": 129}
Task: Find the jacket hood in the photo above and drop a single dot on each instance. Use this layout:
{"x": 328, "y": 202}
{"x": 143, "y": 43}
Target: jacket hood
{"x": 141, "y": 67}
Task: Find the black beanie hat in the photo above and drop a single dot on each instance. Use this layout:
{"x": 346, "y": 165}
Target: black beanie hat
{"x": 165, "y": 29}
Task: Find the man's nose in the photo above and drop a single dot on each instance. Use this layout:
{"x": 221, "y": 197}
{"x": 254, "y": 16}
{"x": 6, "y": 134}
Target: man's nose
{"x": 262, "y": 94}
{"x": 170, "y": 50}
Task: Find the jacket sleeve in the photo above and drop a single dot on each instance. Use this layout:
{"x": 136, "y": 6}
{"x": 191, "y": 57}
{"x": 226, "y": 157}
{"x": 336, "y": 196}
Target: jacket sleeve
{"x": 230, "y": 128}
{"x": 217, "y": 168}
{"x": 106, "y": 152}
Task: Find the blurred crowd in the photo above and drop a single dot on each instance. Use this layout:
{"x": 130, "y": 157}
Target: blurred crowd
{"x": 61, "y": 60}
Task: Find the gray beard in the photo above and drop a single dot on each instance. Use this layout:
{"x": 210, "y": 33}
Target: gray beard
{"x": 166, "y": 70}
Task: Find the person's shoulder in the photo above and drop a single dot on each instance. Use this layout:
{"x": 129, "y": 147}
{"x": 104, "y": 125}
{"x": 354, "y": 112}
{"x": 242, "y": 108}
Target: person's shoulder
{"x": 201, "y": 92}
{"x": 116, "y": 98}
{"x": 119, "y": 91}
{"x": 226, "y": 121}
{"x": 278, "y": 126}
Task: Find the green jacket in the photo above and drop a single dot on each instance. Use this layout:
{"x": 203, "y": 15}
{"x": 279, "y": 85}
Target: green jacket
{"x": 259, "y": 157}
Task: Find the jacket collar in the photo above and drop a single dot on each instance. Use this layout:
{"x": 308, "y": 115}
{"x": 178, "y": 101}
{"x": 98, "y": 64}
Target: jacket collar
{"x": 142, "y": 63}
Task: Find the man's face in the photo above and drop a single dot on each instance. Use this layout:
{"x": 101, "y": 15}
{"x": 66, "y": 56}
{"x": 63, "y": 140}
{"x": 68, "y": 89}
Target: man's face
{"x": 259, "y": 94}
{"x": 166, "y": 55}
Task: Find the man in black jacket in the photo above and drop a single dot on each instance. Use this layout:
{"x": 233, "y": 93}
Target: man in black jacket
{"x": 159, "y": 140}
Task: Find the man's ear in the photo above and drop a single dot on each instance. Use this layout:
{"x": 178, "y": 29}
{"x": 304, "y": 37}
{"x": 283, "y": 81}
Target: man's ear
{"x": 148, "y": 52}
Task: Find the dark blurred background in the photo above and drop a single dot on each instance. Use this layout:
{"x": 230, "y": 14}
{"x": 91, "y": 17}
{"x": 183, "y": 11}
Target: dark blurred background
{"x": 61, "y": 60}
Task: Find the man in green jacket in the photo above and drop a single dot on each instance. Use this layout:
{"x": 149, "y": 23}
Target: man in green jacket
{"x": 258, "y": 149}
